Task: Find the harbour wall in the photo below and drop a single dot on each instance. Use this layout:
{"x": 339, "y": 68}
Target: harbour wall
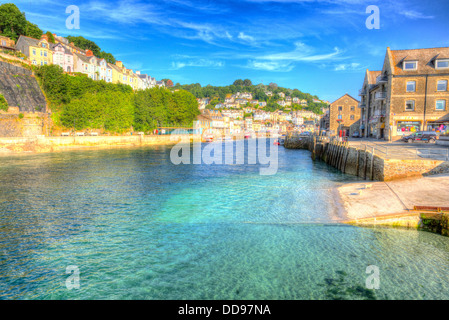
{"x": 41, "y": 144}
{"x": 364, "y": 163}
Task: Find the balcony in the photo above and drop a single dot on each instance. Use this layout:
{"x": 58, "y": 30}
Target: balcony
{"x": 362, "y": 105}
{"x": 380, "y": 96}
{"x": 362, "y": 92}
{"x": 381, "y": 79}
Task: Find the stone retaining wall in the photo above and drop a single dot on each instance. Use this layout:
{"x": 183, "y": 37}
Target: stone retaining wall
{"x": 363, "y": 163}
{"x": 49, "y": 144}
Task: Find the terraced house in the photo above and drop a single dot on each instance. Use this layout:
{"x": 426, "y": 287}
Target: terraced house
{"x": 63, "y": 57}
{"x": 37, "y": 51}
{"x": 73, "y": 59}
{"x": 410, "y": 94}
{"x": 87, "y": 64}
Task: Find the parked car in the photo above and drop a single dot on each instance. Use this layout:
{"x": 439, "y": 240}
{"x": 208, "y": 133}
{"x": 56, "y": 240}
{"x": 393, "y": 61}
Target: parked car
{"x": 421, "y": 136}
{"x": 356, "y": 135}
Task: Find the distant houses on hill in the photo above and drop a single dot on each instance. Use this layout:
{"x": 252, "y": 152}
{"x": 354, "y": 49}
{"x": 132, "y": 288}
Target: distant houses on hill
{"x": 73, "y": 59}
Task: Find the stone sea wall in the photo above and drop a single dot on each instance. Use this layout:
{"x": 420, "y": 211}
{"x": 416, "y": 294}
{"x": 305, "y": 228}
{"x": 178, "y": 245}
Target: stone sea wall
{"x": 363, "y": 163}
{"x": 50, "y": 144}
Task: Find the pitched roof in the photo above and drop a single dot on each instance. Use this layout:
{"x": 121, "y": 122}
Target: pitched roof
{"x": 372, "y": 76}
{"x": 425, "y": 57}
{"x": 113, "y": 66}
{"x": 82, "y": 57}
{"x": 346, "y": 95}
{"x": 30, "y": 41}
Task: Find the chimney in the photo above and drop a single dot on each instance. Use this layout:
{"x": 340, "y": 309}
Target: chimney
{"x": 89, "y": 53}
{"x": 119, "y": 64}
{"x": 137, "y": 72}
{"x": 44, "y": 37}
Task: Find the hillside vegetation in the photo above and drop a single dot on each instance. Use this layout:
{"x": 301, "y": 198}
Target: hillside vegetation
{"x": 82, "y": 103}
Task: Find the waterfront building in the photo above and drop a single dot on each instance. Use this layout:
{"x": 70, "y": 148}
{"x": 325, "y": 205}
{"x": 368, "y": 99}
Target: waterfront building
{"x": 368, "y": 121}
{"x": 410, "y": 93}
{"x": 37, "y": 51}
{"x": 344, "y": 116}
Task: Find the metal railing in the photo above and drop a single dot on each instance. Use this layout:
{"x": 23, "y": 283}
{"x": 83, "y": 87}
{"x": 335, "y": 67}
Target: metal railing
{"x": 402, "y": 153}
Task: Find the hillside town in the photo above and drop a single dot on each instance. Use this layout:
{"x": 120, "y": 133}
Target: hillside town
{"x": 409, "y": 95}
{"x": 241, "y": 114}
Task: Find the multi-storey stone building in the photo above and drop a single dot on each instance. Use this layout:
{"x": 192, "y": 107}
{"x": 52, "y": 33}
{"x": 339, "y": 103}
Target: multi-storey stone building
{"x": 410, "y": 94}
{"x": 344, "y": 116}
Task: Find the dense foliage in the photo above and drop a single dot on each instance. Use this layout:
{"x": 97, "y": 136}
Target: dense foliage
{"x": 161, "y": 107}
{"x": 83, "y": 103}
{"x": 50, "y": 37}
{"x": 86, "y": 44}
{"x": 3, "y": 103}
{"x": 13, "y": 23}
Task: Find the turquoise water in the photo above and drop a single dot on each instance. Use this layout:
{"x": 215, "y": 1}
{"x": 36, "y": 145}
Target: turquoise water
{"x": 139, "y": 227}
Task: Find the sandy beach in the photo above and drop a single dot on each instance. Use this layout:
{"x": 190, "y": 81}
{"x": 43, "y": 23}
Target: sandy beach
{"x": 376, "y": 199}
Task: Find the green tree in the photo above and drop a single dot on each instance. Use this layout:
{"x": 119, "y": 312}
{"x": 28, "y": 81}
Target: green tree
{"x": 247, "y": 83}
{"x": 86, "y": 44}
{"x": 50, "y": 36}
{"x": 12, "y": 21}
{"x": 33, "y": 31}
{"x": 238, "y": 82}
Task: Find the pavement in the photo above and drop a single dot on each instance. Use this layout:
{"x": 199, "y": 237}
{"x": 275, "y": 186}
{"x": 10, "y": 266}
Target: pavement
{"x": 374, "y": 199}
{"x": 402, "y": 150}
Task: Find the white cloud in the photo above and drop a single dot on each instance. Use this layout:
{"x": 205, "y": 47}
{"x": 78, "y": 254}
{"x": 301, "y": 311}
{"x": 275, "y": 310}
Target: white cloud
{"x": 415, "y": 15}
{"x": 349, "y": 67}
{"x": 302, "y": 52}
{"x": 176, "y": 65}
{"x": 270, "y": 66}
{"x": 245, "y": 37}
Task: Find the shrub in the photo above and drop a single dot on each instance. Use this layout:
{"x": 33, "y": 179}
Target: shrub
{"x": 3, "y": 103}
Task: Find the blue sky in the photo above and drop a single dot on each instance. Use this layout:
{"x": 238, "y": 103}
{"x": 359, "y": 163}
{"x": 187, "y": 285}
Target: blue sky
{"x": 318, "y": 46}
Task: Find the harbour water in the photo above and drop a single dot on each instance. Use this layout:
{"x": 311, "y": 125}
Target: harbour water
{"x": 139, "y": 227}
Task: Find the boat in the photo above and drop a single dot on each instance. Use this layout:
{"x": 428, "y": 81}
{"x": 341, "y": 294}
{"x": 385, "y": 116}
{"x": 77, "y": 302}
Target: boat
{"x": 210, "y": 139}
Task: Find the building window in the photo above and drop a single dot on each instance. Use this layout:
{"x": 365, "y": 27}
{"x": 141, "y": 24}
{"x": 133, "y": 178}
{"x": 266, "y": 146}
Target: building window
{"x": 407, "y": 127}
{"x": 442, "y": 64}
{"x": 340, "y": 108}
{"x": 410, "y": 105}
{"x": 352, "y": 117}
{"x": 34, "y": 52}
{"x": 340, "y": 117}
{"x": 352, "y": 108}
{"x": 45, "y": 53}
{"x": 440, "y": 105}
{"x": 442, "y": 85}
{"x": 410, "y": 65}
{"x": 411, "y": 86}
